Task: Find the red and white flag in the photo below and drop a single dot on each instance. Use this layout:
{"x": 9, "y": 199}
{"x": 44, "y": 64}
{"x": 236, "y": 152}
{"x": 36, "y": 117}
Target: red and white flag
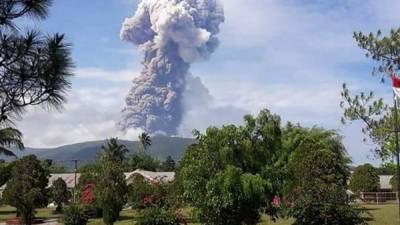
{"x": 396, "y": 85}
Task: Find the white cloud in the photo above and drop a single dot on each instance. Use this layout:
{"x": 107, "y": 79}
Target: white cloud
{"x": 105, "y": 75}
{"x": 90, "y": 114}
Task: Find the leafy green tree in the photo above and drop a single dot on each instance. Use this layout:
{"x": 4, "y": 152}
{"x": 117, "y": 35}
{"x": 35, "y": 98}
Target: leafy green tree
{"x": 387, "y": 169}
{"x": 27, "y": 188}
{"x": 110, "y": 186}
{"x": 53, "y": 167}
{"x": 35, "y": 68}
{"x": 60, "y": 194}
{"x": 88, "y": 174}
{"x": 159, "y": 216}
{"x": 139, "y": 189}
{"x": 113, "y": 151}
{"x": 317, "y": 178}
{"x": 5, "y": 172}
{"x": 145, "y": 141}
{"x": 232, "y": 173}
{"x": 393, "y": 182}
{"x": 141, "y": 161}
{"x": 144, "y": 194}
{"x": 168, "y": 165}
{"x": 365, "y": 178}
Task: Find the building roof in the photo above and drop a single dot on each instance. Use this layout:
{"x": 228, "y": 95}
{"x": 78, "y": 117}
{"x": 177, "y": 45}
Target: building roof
{"x": 69, "y": 178}
{"x": 152, "y": 176}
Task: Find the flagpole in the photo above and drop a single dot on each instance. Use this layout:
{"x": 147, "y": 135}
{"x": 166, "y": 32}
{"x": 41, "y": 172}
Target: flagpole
{"x": 396, "y": 132}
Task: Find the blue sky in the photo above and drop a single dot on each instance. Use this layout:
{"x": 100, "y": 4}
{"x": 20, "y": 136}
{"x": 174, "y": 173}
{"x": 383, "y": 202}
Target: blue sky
{"x": 290, "y": 56}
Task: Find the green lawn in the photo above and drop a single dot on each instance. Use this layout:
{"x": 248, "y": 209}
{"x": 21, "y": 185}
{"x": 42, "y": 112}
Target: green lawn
{"x": 7, "y": 212}
{"x": 382, "y": 215}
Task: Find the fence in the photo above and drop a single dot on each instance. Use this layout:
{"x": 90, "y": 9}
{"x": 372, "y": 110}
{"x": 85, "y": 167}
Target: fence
{"x": 379, "y": 197}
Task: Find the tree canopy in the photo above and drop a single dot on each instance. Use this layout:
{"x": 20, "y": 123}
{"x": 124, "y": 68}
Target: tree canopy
{"x": 60, "y": 193}
{"x": 232, "y": 172}
{"x": 317, "y": 178}
{"x": 27, "y": 188}
{"x": 110, "y": 186}
{"x": 365, "y": 178}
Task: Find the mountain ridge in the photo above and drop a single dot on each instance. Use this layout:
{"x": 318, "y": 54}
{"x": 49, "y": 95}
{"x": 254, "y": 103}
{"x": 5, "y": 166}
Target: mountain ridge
{"x": 85, "y": 152}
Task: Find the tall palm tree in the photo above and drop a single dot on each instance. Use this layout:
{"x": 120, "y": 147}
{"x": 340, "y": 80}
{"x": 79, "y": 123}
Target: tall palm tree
{"x": 114, "y": 151}
{"x": 145, "y": 141}
{"x": 10, "y": 137}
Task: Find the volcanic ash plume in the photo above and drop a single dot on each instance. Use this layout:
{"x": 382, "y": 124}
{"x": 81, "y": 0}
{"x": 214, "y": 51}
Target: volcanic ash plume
{"x": 172, "y": 34}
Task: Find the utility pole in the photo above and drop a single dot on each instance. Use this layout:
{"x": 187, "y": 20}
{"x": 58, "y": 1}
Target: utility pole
{"x": 396, "y": 135}
{"x": 75, "y": 177}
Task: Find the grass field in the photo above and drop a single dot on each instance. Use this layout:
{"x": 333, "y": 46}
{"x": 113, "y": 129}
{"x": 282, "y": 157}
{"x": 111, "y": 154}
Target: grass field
{"x": 7, "y": 212}
{"x": 380, "y": 215}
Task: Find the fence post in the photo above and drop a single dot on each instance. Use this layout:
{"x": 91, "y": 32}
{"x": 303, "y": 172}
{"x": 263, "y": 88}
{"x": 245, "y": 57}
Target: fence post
{"x": 377, "y": 198}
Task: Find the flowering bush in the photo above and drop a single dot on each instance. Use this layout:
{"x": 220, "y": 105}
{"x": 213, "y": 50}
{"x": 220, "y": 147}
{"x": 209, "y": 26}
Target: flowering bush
{"x": 276, "y": 201}
{"x": 87, "y": 196}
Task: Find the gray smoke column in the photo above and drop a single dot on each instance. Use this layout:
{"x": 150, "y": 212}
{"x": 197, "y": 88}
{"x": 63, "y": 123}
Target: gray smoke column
{"x": 171, "y": 34}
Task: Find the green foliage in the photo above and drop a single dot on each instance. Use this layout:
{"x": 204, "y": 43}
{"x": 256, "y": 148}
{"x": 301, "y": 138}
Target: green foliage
{"x": 393, "y": 182}
{"x": 168, "y": 165}
{"x": 139, "y": 189}
{"x": 53, "y": 167}
{"x": 388, "y": 168}
{"x": 88, "y": 174}
{"x": 365, "y": 178}
{"x": 5, "y": 172}
{"x": 383, "y": 50}
{"x": 141, "y": 161}
{"x": 145, "y": 141}
{"x": 27, "y": 188}
{"x": 376, "y": 116}
{"x": 113, "y": 151}
{"x": 110, "y": 185}
{"x": 10, "y": 137}
{"x": 158, "y": 216}
{"x": 144, "y": 194}
{"x": 75, "y": 215}
{"x": 317, "y": 178}
{"x": 232, "y": 173}
{"x": 60, "y": 193}
{"x": 307, "y": 212}
{"x": 35, "y": 68}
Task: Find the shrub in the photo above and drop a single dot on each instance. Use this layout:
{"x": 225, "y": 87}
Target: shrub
{"x": 143, "y": 194}
{"x": 75, "y": 215}
{"x": 365, "y": 179}
{"x": 232, "y": 173}
{"x": 158, "y": 216}
{"x": 110, "y": 187}
{"x": 93, "y": 211}
{"x": 27, "y": 188}
{"x": 60, "y": 194}
{"x": 318, "y": 175}
{"x": 393, "y": 182}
